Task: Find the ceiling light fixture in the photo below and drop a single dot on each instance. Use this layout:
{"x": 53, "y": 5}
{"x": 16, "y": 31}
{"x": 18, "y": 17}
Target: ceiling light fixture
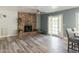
{"x": 38, "y": 12}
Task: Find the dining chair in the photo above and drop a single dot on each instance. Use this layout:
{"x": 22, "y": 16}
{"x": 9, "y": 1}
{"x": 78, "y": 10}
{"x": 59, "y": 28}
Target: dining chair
{"x": 73, "y": 42}
{"x": 75, "y": 34}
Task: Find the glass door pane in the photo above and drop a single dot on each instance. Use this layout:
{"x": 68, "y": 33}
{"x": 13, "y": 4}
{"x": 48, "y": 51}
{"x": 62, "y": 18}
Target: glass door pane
{"x": 55, "y": 25}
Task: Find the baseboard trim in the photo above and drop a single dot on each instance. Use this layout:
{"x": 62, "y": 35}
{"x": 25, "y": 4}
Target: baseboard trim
{"x": 8, "y": 36}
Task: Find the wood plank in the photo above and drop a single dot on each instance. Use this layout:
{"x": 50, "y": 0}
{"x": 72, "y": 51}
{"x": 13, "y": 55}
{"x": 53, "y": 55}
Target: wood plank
{"x": 32, "y": 44}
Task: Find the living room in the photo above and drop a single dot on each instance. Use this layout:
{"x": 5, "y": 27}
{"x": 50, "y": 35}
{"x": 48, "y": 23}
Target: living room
{"x": 36, "y": 29}
{"x": 39, "y": 29}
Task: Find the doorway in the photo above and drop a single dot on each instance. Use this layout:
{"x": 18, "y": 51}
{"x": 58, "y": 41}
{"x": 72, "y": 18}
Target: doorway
{"x": 55, "y": 25}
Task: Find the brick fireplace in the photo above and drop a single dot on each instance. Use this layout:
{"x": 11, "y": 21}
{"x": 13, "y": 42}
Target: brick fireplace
{"x": 26, "y": 23}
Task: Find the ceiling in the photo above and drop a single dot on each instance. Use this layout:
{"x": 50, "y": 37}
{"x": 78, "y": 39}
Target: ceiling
{"x": 34, "y": 9}
{"x": 49, "y": 9}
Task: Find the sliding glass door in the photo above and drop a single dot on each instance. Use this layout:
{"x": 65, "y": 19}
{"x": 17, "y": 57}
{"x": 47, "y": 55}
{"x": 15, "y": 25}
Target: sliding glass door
{"x": 55, "y": 25}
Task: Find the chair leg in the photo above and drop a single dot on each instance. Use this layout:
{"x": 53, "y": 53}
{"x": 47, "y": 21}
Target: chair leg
{"x": 68, "y": 46}
{"x": 72, "y": 45}
{"x": 78, "y": 46}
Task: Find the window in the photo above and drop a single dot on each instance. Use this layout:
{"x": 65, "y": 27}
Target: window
{"x": 77, "y": 21}
{"x": 55, "y": 25}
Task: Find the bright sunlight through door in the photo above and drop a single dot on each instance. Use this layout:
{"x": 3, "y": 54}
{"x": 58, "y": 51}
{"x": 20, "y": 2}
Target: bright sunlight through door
{"x": 55, "y": 25}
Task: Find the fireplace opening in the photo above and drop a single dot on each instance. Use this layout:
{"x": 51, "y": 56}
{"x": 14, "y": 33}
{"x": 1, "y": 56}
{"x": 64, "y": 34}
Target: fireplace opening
{"x": 27, "y": 28}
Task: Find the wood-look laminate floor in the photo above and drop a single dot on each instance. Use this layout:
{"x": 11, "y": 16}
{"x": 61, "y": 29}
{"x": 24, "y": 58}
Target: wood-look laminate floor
{"x": 33, "y": 44}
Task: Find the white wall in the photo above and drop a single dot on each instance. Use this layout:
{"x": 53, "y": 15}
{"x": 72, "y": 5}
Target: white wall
{"x": 8, "y": 25}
